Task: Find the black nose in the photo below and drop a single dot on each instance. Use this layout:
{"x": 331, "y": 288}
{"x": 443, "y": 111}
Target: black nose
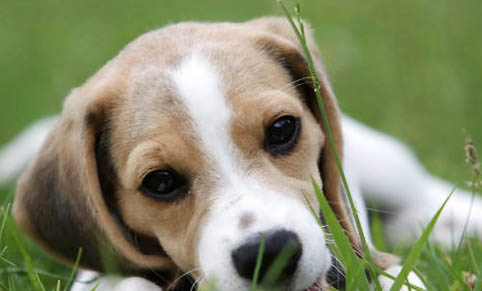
{"x": 276, "y": 243}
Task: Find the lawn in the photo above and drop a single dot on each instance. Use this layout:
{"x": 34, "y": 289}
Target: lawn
{"x": 410, "y": 68}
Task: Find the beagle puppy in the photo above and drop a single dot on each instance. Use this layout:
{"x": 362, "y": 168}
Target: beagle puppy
{"x": 172, "y": 162}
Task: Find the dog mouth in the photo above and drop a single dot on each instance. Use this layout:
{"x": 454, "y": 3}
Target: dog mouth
{"x": 313, "y": 287}
{"x": 317, "y": 286}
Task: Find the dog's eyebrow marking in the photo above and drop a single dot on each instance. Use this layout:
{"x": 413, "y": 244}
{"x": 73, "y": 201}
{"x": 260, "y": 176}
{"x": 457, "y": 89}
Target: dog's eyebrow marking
{"x": 198, "y": 84}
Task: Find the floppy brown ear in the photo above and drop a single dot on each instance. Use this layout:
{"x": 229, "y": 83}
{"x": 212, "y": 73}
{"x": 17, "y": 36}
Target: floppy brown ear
{"x": 282, "y": 44}
{"x": 60, "y": 200}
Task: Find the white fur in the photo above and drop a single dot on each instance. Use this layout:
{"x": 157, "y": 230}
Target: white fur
{"x": 271, "y": 211}
{"x": 237, "y": 192}
{"x": 88, "y": 280}
{"x": 390, "y": 176}
{"x": 199, "y": 87}
{"x": 412, "y": 279}
{"x": 377, "y": 166}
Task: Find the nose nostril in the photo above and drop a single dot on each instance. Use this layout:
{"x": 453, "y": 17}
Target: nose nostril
{"x": 282, "y": 251}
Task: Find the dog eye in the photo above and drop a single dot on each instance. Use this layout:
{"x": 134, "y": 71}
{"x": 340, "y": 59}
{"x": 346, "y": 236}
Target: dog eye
{"x": 163, "y": 185}
{"x": 282, "y": 135}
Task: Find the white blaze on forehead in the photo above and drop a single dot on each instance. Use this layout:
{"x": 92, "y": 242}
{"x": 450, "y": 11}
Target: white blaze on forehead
{"x": 199, "y": 87}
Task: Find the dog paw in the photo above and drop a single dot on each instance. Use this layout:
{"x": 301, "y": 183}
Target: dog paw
{"x": 136, "y": 283}
{"x": 412, "y": 278}
{"x": 89, "y": 280}
{"x": 409, "y": 223}
{"x": 461, "y": 215}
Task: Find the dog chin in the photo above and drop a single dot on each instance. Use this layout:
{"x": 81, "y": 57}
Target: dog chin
{"x": 298, "y": 283}
{"x": 318, "y": 285}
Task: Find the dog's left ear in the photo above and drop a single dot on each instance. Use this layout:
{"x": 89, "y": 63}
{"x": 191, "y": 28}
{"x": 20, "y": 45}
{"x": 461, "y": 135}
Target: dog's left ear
{"x": 276, "y": 36}
{"x": 64, "y": 200}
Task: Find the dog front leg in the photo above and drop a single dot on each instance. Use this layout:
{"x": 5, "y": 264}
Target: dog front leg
{"x": 412, "y": 279}
{"x": 391, "y": 177}
{"x": 88, "y": 280}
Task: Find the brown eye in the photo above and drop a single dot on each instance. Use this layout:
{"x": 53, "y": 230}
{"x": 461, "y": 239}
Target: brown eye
{"x": 281, "y": 135}
{"x": 163, "y": 185}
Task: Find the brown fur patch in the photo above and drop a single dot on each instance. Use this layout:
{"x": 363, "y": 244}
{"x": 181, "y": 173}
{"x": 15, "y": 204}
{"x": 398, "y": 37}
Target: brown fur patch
{"x": 126, "y": 121}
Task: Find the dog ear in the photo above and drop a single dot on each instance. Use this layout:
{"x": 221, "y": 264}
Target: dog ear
{"x": 62, "y": 203}
{"x": 281, "y": 43}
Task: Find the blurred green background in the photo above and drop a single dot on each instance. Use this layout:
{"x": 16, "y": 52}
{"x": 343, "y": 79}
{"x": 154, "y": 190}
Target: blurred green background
{"x": 410, "y": 68}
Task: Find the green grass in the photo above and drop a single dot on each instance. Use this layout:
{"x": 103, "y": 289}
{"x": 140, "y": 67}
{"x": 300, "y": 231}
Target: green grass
{"x": 353, "y": 265}
{"x": 410, "y": 68}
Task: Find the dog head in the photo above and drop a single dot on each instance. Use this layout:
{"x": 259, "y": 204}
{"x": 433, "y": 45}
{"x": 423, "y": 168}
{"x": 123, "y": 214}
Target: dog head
{"x": 183, "y": 151}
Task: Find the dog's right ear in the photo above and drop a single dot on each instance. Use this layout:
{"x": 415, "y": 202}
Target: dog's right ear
{"x": 61, "y": 201}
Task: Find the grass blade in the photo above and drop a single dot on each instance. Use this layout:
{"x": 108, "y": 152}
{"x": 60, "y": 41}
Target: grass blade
{"x": 42, "y": 287}
{"x": 259, "y": 261}
{"x": 96, "y": 286}
{"x": 26, "y": 256}
{"x": 275, "y": 270}
{"x": 385, "y": 274}
{"x": 74, "y": 270}
{"x": 343, "y": 247}
{"x": 417, "y": 249}
{"x": 300, "y": 34}
{"x": 341, "y": 240}
{"x": 313, "y": 212}
{"x": 5, "y": 213}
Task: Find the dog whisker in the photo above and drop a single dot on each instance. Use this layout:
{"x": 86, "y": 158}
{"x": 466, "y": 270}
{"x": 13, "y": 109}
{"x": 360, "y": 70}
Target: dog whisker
{"x": 158, "y": 276}
{"x": 183, "y": 142}
{"x": 135, "y": 242}
{"x": 344, "y": 219}
{"x": 296, "y": 83}
{"x": 324, "y": 226}
{"x": 379, "y": 210}
{"x": 197, "y": 283}
{"x": 337, "y": 268}
{"x": 339, "y": 271}
{"x": 184, "y": 274}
